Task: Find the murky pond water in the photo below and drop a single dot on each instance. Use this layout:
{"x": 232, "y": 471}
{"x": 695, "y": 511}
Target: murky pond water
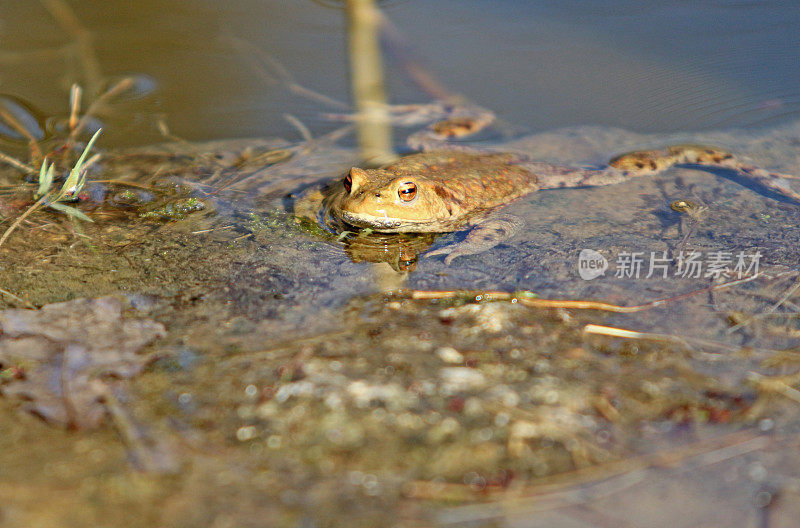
{"x": 202, "y": 354}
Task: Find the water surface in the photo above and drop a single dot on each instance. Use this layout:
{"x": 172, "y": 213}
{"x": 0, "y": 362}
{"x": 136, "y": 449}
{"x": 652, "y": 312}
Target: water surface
{"x": 674, "y": 66}
{"x": 287, "y": 373}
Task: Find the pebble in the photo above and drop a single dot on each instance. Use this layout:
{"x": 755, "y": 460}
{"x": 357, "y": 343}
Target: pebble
{"x": 450, "y": 355}
{"x": 462, "y": 379}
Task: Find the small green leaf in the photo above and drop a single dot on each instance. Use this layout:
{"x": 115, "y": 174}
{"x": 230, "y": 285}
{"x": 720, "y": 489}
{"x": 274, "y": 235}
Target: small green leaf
{"x": 77, "y": 178}
{"x": 70, "y": 211}
{"x": 46, "y": 175}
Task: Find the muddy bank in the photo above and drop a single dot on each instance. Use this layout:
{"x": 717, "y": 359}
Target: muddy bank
{"x": 288, "y": 387}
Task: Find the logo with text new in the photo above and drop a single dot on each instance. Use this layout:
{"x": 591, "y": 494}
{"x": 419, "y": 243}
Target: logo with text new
{"x": 591, "y": 264}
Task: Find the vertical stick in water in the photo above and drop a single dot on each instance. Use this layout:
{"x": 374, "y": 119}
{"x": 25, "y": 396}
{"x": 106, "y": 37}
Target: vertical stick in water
{"x": 366, "y": 83}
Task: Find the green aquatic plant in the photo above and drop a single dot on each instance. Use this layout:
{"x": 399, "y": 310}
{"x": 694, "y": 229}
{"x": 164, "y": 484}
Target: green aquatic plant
{"x": 69, "y": 189}
{"x": 47, "y": 196}
{"x": 177, "y": 209}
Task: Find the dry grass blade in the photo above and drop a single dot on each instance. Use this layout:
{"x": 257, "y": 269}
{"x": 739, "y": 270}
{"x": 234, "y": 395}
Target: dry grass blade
{"x": 786, "y": 296}
{"x": 525, "y": 298}
{"x": 17, "y": 164}
{"x": 23, "y": 216}
{"x": 13, "y": 122}
{"x": 300, "y": 126}
{"x": 212, "y": 230}
{"x": 399, "y": 47}
{"x": 125, "y": 183}
{"x": 528, "y": 298}
{"x": 118, "y": 88}
{"x": 686, "y": 342}
{"x": 66, "y": 17}
{"x": 774, "y": 385}
{"x": 28, "y": 56}
{"x": 74, "y": 105}
{"x": 265, "y": 173}
{"x": 279, "y": 73}
{"x": 18, "y": 299}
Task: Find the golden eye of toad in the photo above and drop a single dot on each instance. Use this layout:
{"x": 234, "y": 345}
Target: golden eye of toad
{"x": 407, "y": 191}
{"x": 348, "y": 182}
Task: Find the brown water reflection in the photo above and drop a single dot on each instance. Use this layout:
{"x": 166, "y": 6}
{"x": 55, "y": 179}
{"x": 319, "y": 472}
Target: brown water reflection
{"x": 656, "y": 68}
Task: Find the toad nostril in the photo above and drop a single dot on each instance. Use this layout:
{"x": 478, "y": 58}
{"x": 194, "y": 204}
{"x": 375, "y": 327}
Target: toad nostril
{"x": 377, "y": 195}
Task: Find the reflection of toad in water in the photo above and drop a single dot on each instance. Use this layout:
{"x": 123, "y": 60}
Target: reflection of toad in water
{"x": 400, "y": 250}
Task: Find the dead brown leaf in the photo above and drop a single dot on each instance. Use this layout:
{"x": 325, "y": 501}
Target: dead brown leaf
{"x": 62, "y": 347}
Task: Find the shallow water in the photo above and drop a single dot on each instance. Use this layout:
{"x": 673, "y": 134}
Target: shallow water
{"x": 674, "y": 66}
{"x": 287, "y": 372}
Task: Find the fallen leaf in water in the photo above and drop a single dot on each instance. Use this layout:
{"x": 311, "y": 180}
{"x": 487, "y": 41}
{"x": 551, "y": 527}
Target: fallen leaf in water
{"x": 63, "y": 347}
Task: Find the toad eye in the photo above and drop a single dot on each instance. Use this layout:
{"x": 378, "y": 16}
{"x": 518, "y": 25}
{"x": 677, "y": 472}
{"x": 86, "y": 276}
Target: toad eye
{"x": 348, "y": 183}
{"x": 407, "y": 191}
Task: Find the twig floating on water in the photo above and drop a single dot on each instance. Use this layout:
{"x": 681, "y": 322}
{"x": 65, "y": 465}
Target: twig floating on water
{"x": 528, "y": 298}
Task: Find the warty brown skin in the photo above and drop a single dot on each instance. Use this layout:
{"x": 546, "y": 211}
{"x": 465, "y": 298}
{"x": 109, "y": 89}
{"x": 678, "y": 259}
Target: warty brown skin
{"x": 451, "y": 190}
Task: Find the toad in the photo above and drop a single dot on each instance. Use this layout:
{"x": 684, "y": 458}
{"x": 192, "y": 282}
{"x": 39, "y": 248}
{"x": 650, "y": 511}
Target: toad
{"x": 448, "y": 188}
